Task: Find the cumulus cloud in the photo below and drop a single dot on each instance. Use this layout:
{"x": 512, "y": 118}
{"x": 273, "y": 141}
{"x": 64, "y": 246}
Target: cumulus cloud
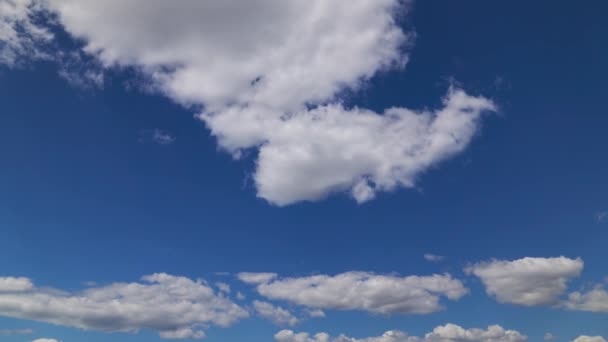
{"x": 176, "y": 307}
{"x": 268, "y": 76}
{"x": 382, "y": 294}
{"x": 15, "y": 284}
{"x": 595, "y": 300}
{"x": 275, "y": 314}
{"x": 584, "y": 338}
{"x": 446, "y": 333}
{"x": 527, "y": 281}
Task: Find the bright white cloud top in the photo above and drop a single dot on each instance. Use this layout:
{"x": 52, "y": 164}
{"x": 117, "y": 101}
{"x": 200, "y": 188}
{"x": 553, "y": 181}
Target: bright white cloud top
{"x": 527, "y": 281}
{"x": 446, "y": 333}
{"x": 384, "y": 294}
{"x": 176, "y": 307}
{"x": 272, "y": 83}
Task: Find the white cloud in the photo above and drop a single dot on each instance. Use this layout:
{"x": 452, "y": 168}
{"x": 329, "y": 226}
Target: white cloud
{"x": 223, "y": 287}
{"x": 45, "y": 340}
{"x": 433, "y": 257}
{"x": 527, "y": 281}
{"x": 275, "y": 314}
{"x": 290, "y": 336}
{"x": 595, "y": 300}
{"x": 384, "y": 294}
{"x": 268, "y": 75}
{"x": 15, "y": 284}
{"x": 548, "y": 337}
{"x": 256, "y": 278}
{"x": 176, "y": 307}
{"x": 446, "y": 333}
{"x": 584, "y": 338}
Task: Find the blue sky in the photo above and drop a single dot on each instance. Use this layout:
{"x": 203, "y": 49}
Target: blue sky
{"x": 135, "y": 141}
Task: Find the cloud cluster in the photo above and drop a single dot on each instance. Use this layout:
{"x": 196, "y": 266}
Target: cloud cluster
{"x": 268, "y": 76}
{"x": 527, "y": 281}
{"x": 446, "y": 333}
{"x": 176, "y": 307}
{"x": 383, "y": 294}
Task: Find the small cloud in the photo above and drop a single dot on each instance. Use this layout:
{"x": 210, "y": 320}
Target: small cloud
{"x": 223, "y": 287}
{"x": 548, "y": 337}
{"x": 433, "y": 257}
{"x": 316, "y": 313}
{"x": 240, "y": 296}
{"x": 11, "y": 332}
{"x": 601, "y": 217}
{"x": 156, "y": 136}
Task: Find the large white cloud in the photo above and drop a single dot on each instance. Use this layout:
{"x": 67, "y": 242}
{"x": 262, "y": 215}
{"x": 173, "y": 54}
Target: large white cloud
{"x": 384, "y": 294}
{"x": 176, "y": 307}
{"x": 268, "y": 74}
{"x": 527, "y": 281}
{"x": 446, "y": 333}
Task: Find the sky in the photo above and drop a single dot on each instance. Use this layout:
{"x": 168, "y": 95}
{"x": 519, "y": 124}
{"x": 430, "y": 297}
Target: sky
{"x": 303, "y": 171}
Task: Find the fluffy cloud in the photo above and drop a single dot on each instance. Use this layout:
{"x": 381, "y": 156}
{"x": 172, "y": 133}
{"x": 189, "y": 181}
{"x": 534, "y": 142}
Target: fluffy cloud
{"x": 595, "y": 300}
{"x": 268, "y": 74}
{"x": 176, "y": 307}
{"x": 384, "y": 294}
{"x": 584, "y": 338}
{"x": 446, "y": 333}
{"x": 15, "y": 284}
{"x": 275, "y": 314}
{"x": 527, "y": 281}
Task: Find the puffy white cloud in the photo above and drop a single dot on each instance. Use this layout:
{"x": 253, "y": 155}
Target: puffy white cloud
{"x": 290, "y": 336}
{"x": 268, "y": 74}
{"x": 384, "y": 294}
{"x": 176, "y": 307}
{"x": 45, "y": 340}
{"x": 494, "y": 333}
{"x": 584, "y": 338}
{"x": 275, "y": 314}
{"x": 330, "y": 148}
{"x": 595, "y": 300}
{"x": 446, "y": 333}
{"x": 15, "y": 284}
{"x": 527, "y": 281}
